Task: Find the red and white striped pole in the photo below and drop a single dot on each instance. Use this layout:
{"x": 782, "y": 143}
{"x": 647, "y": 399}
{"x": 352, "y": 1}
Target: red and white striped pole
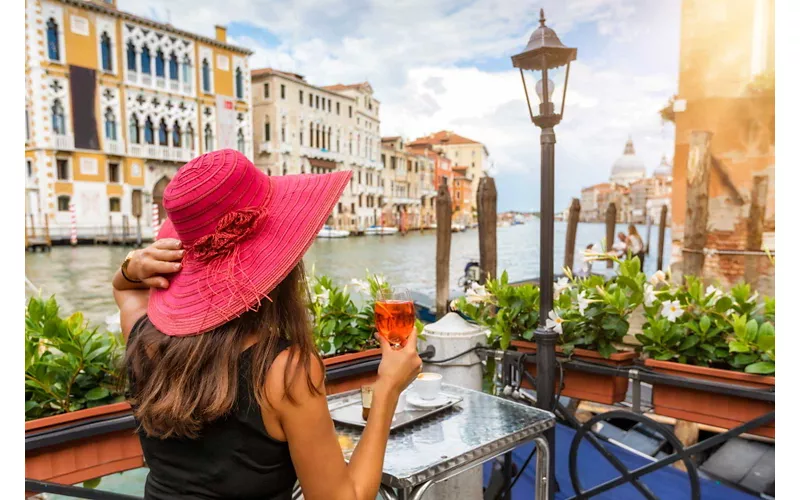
{"x": 73, "y": 222}
{"x": 156, "y": 221}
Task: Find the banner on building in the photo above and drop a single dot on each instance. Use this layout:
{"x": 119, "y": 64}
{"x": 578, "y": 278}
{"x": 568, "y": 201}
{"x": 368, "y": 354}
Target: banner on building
{"x": 226, "y": 123}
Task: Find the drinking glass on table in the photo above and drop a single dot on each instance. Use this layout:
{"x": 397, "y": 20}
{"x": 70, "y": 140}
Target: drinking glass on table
{"x": 394, "y": 315}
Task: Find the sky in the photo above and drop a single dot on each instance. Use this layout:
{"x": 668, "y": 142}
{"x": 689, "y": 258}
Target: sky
{"x": 445, "y": 65}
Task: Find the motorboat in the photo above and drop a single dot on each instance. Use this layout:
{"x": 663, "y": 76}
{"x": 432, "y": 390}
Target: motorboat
{"x": 380, "y": 230}
{"x": 330, "y": 232}
{"x": 458, "y": 228}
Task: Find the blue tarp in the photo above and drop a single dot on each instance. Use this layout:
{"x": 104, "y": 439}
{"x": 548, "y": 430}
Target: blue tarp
{"x": 666, "y": 483}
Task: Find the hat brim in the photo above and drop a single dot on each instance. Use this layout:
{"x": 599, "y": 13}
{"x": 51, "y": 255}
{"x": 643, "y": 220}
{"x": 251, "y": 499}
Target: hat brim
{"x": 203, "y": 296}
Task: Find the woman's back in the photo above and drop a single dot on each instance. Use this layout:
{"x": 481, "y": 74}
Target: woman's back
{"x": 234, "y": 457}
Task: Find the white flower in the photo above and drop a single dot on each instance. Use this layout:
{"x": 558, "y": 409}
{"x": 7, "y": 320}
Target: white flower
{"x": 476, "y": 294}
{"x": 322, "y": 298}
{"x": 671, "y": 309}
{"x": 554, "y": 322}
{"x": 559, "y": 286}
{"x": 583, "y": 302}
{"x": 649, "y": 295}
{"x": 658, "y": 277}
{"x": 713, "y": 292}
{"x": 360, "y": 285}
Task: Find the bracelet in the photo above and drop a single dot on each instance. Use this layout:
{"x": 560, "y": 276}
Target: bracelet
{"x": 122, "y": 270}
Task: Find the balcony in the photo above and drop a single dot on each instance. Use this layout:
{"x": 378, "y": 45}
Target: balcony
{"x": 136, "y": 150}
{"x": 147, "y": 80}
{"x": 113, "y": 147}
{"x": 152, "y": 151}
{"x": 265, "y": 147}
{"x": 161, "y": 82}
{"x": 322, "y": 154}
{"x": 180, "y": 154}
{"x": 285, "y": 148}
{"x": 187, "y": 88}
{"x": 133, "y": 76}
{"x": 174, "y": 85}
{"x": 64, "y": 142}
{"x": 373, "y": 190}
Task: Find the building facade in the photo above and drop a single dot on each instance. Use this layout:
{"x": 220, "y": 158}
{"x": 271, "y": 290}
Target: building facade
{"x": 726, "y": 87}
{"x": 410, "y": 197}
{"x": 114, "y": 105}
{"x": 301, "y": 128}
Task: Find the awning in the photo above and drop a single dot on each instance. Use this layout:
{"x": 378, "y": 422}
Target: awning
{"x": 328, "y": 164}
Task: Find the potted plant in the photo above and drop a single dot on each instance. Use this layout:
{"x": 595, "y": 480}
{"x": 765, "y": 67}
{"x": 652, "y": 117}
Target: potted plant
{"x": 71, "y": 378}
{"x": 708, "y": 334}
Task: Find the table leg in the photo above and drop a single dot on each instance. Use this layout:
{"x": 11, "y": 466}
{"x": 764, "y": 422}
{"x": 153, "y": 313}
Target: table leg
{"x": 543, "y": 478}
{"x": 414, "y": 493}
{"x": 387, "y": 493}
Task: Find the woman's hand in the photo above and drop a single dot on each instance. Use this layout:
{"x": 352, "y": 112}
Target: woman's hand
{"x": 399, "y": 367}
{"x": 150, "y": 264}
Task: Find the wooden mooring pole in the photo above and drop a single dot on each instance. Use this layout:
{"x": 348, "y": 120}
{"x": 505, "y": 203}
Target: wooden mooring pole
{"x": 572, "y": 233}
{"x": 697, "y": 179}
{"x": 487, "y": 228}
{"x": 649, "y": 221}
{"x": 662, "y": 229}
{"x": 611, "y": 224}
{"x": 444, "y": 215}
{"x": 755, "y": 227}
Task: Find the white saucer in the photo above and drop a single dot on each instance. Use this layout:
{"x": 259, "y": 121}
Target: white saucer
{"x": 440, "y": 400}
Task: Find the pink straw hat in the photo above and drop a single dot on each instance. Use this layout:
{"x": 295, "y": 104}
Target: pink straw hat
{"x": 243, "y": 232}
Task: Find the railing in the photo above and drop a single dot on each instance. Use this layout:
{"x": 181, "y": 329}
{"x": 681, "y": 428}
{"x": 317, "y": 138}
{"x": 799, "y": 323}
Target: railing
{"x": 187, "y": 88}
{"x": 64, "y": 142}
{"x": 133, "y": 76}
{"x": 147, "y": 80}
{"x": 174, "y": 85}
{"x": 136, "y": 150}
{"x": 161, "y": 82}
{"x": 113, "y": 147}
{"x": 152, "y": 151}
{"x": 265, "y": 147}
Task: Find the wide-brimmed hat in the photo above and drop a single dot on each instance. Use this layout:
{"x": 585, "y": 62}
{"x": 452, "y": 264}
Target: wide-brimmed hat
{"x": 243, "y": 232}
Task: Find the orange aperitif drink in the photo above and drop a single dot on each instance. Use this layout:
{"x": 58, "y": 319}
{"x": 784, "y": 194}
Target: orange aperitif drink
{"x": 394, "y": 315}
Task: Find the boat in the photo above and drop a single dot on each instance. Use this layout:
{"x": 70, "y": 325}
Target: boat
{"x": 330, "y": 232}
{"x": 457, "y": 228}
{"x": 380, "y": 230}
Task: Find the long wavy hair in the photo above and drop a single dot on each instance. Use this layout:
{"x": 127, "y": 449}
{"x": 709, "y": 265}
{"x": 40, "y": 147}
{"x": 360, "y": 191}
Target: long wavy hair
{"x": 180, "y": 384}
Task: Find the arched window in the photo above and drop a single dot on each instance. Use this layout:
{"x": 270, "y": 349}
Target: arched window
{"x": 131, "y": 57}
{"x": 311, "y": 134}
{"x": 209, "y": 138}
{"x": 317, "y": 138}
{"x": 162, "y": 133}
{"x": 160, "y": 63}
{"x": 301, "y": 131}
{"x": 134, "y": 130}
{"x": 268, "y": 134}
{"x": 188, "y": 135}
{"x": 330, "y": 132}
{"x": 59, "y": 125}
{"x": 176, "y": 135}
{"x": 173, "y": 67}
{"x": 105, "y": 51}
{"x": 63, "y": 203}
{"x": 187, "y": 70}
{"x": 53, "y": 47}
{"x": 146, "y": 61}
{"x": 239, "y": 84}
{"x": 206, "y": 76}
{"x": 149, "y": 136}
{"x": 240, "y": 141}
{"x": 285, "y": 171}
{"x": 111, "y": 124}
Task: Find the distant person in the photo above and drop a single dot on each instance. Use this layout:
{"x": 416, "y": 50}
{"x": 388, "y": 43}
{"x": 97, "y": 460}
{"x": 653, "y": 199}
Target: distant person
{"x": 586, "y": 269}
{"x": 635, "y": 244}
{"x": 620, "y": 248}
{"x": 226, "y": 384}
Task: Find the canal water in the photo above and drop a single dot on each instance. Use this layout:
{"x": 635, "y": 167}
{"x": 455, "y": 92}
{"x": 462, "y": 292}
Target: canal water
{"x": 80, "y": 276}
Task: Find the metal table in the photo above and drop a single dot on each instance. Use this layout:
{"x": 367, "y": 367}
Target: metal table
{"x": 477, "y": 430}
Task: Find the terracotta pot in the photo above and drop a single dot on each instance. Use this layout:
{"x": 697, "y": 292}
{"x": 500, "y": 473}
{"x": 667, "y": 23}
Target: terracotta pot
{"x": 697, "y": 405}
{"x": 82, "y": 459}
{"x": 606, "y": 389}
{"x": 353, "y": 381}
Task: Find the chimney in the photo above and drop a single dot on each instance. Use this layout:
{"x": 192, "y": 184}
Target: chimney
{"x": 222, "y": 33}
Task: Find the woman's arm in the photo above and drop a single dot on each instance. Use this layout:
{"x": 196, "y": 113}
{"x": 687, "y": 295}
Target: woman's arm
{"x": 147, "y": 266}
{"x": 307, "y": 425}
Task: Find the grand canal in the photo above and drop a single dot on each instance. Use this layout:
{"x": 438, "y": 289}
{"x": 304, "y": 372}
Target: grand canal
{"x": 80, "y": 277}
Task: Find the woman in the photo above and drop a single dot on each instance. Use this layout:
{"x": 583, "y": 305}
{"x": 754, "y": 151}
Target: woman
{"x": 636, "y": 244}
{"x": 620, "y": 248}
{"x": 226, "y": 384}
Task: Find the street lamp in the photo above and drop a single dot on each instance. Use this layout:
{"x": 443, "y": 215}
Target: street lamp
{"x": 541, "y": 58}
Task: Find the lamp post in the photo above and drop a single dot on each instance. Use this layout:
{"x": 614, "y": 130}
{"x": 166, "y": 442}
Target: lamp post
{"x": 543, "y": 55}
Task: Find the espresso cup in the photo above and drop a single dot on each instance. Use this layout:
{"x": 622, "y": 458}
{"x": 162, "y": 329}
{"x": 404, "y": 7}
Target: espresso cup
{"x": 428, "y": 385}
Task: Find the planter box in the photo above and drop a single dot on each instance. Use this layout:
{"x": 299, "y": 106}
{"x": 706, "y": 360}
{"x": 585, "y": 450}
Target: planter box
{"x": 354, "y": 381}
{"x": 605, "y": 389}
{"x": 697, "y": 405}
{"x": 87, "y": 458}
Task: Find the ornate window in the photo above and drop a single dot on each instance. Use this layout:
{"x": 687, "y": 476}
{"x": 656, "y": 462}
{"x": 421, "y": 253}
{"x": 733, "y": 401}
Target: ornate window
{"x": 206, "y": 76}
{"x": 149, "y": 136}
{"x": 105, "y": 51}
{"x": 59, "y": 124}
{"x": 134, "y": 131}
{"x": 239, "y": 84}
{"x": 187, "y": 70}
{"x": 176, "y": 135}
{"x": 173, "y": 67}
{"x": 53, "y": 43}
{"x": 160, "y": 63}
{"x": 189, "y": 137}
{"x": 131, "y": 57}
{"x": 240, "y": 141}
{"x": 111, "y": 124}
{"x": 162, "y": 133}
{"x": 209, "y": 138}
{"x": 146, "y": 61}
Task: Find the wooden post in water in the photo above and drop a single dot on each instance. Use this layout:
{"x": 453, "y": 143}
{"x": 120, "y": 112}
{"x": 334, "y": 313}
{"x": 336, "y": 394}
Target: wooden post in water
{"x": 662, "y": 228}
{"x": 444, "y": 215}
{"x": 110, "y": 231}
{"x": 755, "y": 227}
{"x": 487, "y": 228}
{"x": 572, "y": 233}
{"x": 649, "y": 225}
{"x": 47, "y": 231}
{"x": 611, "y": 224}
{"x": 697, "y": 177}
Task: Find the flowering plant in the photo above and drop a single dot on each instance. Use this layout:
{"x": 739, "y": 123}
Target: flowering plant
{"x": 340, "y": 325}
{"x": 709, "y": 327}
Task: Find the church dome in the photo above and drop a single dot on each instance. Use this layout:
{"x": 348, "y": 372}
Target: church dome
{"x": 664, "y": 169}
{"x": 628, "y": 167}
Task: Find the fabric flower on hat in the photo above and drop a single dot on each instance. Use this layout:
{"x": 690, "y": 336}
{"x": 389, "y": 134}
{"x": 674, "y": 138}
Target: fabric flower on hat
{"x": 232, "y": 228}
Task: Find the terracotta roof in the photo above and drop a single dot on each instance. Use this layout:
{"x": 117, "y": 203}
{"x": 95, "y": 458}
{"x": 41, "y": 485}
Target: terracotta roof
{"x": 340, "y": 86}
{"x": 390, "y": 139}
{"x": 444, "y": 137}
{"x": 272, "y": 71}
{"x": 603, "y": 186}
{"x": 460, "y": 168}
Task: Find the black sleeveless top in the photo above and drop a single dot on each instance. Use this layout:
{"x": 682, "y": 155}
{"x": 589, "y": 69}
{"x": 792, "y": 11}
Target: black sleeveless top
{"x": 234, "y": 457}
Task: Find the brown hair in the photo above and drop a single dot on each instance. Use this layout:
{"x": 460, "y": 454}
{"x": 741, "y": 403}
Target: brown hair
{"x": 632, "y": 230}
{"x": 179, "y": 384}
